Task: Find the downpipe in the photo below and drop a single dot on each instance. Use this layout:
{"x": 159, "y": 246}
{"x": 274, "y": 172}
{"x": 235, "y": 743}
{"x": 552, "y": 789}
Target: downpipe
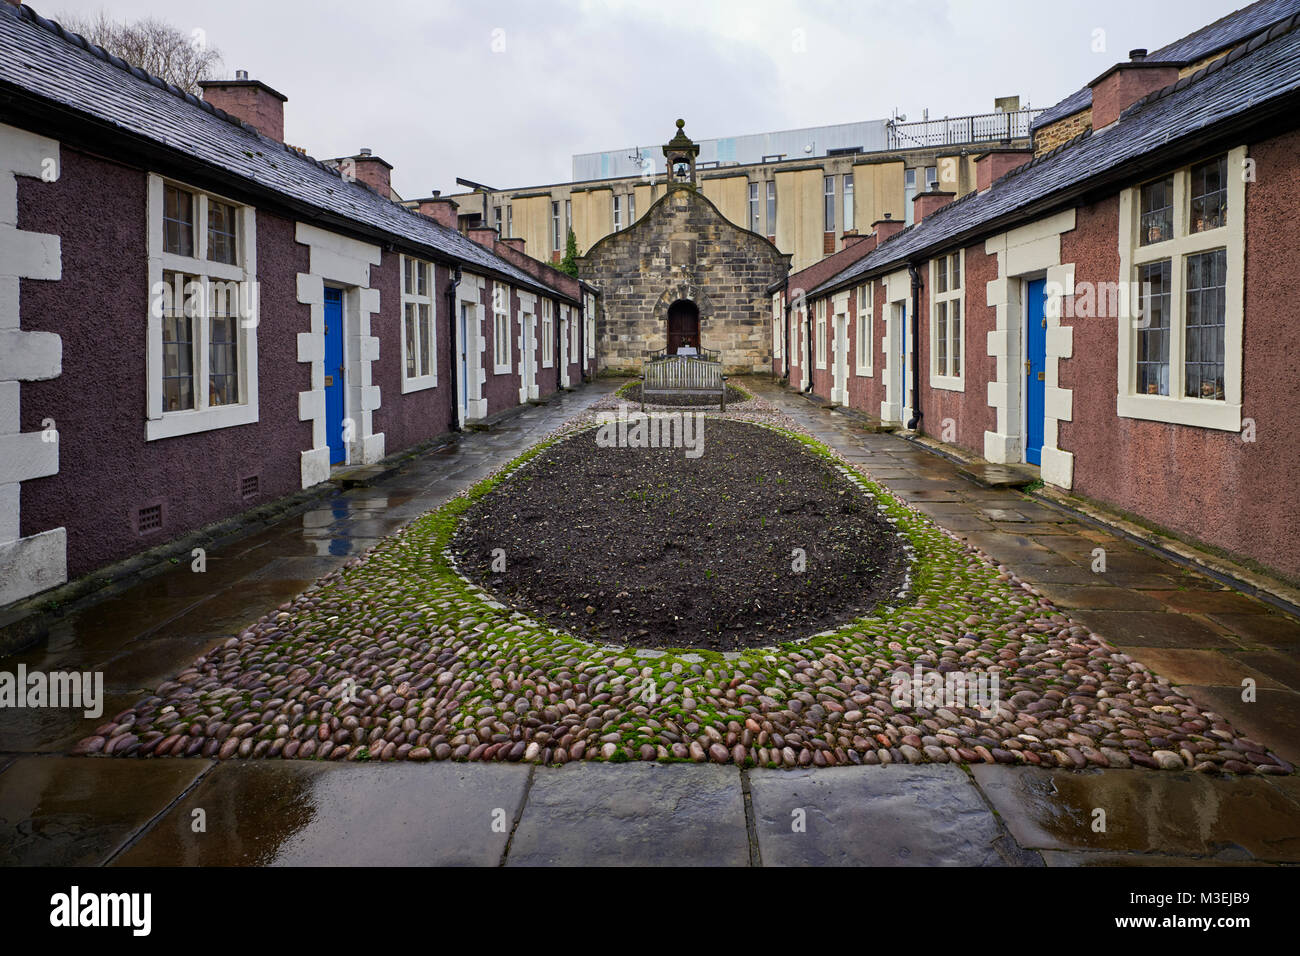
{"x": 452, "y": 285}
{"x": 916, "y": 347}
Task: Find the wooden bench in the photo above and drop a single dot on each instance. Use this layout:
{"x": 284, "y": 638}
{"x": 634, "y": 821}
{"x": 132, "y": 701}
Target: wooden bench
{"x": 673, "y": 375}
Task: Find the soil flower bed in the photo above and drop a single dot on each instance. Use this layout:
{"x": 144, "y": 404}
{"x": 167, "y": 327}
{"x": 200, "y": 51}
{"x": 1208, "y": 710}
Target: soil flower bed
{"x": 396, "y": 656}
{"x": 752, "y": 543}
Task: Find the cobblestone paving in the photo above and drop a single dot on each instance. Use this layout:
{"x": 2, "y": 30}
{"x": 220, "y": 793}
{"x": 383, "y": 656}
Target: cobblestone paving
{"x": 396, "y": 657}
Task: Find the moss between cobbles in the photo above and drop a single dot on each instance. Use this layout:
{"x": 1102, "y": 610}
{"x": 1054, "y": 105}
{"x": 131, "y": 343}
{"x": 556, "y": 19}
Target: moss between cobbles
{"x": 403, "y": 609}
{"x": 941, "y": 566}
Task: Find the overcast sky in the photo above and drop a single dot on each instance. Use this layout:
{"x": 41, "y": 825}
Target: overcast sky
{"x": 505, "y": 93}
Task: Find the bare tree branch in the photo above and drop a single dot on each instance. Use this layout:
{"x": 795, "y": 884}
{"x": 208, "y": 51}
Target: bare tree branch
{"x": 153, "y": 45}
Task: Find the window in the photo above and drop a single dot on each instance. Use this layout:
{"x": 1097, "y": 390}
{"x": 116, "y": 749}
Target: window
{"x": 771, "y": 210}
{"x": 821, "y": 332}
{"x": 548, "y": 333}
{"x": 419, "y": 326}
{"x": 909, "y": 190}
{"x": 931, "y": 177}
{"x": 496, "y": 219}
{"x": 1182, "y": 250}
{"x": 502, "y": 350}
{"x": 618, "y": 213}
{"x": 202, "y": 323}
{"x": 510, "y": 222}
{"x": 568, "y": 220}
{"x": 866, "y": 309}
{"x": 631, "y": 208}
{"x": 755, "y": 223}
{"x": 848, "y": 201}
{"x": 828, "y": 189}
{"x": 557, "y": 240}
{"x": 946, "y": 340}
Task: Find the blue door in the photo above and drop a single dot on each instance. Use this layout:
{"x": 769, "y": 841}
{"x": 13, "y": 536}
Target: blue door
{"x": 334, "y": 375}
{"x": 1035, "y": 370}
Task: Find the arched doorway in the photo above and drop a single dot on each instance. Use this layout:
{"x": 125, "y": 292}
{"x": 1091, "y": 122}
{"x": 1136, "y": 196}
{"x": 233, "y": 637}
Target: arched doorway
{"x": 683, "y": 325}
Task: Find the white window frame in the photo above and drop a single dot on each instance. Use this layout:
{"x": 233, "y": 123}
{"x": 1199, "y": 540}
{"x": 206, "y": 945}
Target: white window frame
{"x": 203, "y": 417}
{"x": 548, "y": 334}
{"x": 778, "y": 328}
{"x": 847, "y": 191}
{"x": 618, "y": 212}
{"x": 417, "y": 383}
{"x": 942, "y": 377}
{"x": 866, "y": 308}
{"x": 502, "y": 330}
{"x": 819, "y": 310}
{"x": 1175, "y": 408}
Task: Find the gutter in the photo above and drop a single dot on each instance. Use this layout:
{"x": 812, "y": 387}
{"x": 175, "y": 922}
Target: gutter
{"x": 785, "y": 333}
{"x": 452, "y": 284}
{"x": 916, "y": 348}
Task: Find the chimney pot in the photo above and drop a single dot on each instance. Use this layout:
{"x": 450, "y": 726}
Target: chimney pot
{"x": 1139, "y": 54}
{"x": 241, "y": 74}
{"x": 365, "y": 151}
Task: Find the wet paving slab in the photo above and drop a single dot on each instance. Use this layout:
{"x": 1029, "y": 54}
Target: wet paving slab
{"x": 1176, "y": 814}
{"x": 65, "y": 811}
{"x": 927, "y": 815}
{"x": 641, "y": 814}
{"x": 305, "y": 813}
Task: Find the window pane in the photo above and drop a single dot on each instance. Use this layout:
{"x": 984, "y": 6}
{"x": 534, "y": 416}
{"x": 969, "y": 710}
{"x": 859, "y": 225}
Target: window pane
{"x": 178, "y": 221}
{"x": 1206, "y": 281}
{"x": 955, "y": 323}
{"x": 771, "y": 208}
{"x": 1209, "y": 194}
{"x": 941, "y": 275}
{"x": 941, "y": 337}
{"x": 408, "y": 282}
{"x": 1156, "y": 223}
{"x": 426, "y": 342}
{"x": 956, "y": 270}
{"x": 221, "y": 232}
{"x": 1153, "y": 339}
{"x": 223, "y": 360}
{"x": 848, "y": 200}
{"x": 829, "y": 189}
{"x": 178, "y": 344}
{"x": 422, "y": 278}
{"x": 412, "y": 341}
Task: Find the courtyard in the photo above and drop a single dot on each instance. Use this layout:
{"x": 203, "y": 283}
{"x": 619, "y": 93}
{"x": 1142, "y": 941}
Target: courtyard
{"x": 364, "y": 654}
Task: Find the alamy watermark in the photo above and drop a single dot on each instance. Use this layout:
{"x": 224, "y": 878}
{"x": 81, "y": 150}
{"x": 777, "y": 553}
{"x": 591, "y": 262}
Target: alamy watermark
{"x": 84, "y": 689}
{"x": 624, "y": 429}
{"x": 953, "y": 690}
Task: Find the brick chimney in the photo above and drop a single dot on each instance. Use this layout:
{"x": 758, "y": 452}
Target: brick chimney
{"x": 1125, "y": 83}
{"x": 996, "y": 163}
{"x": 923, "y": 204}
{"x": 440, "y": 210}
{"x": 371, "y": 170}
{"x": 516, "y": 243}
{"x": 485, "y": 236}
{"x": 886, "y": 229}
{"x": 249, "y": 100}
{"x": 852, "y": 239}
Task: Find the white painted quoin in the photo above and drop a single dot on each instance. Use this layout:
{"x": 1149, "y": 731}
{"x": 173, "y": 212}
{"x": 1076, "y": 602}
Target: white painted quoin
{"x": 34, "y": 563}
{"x": 341, "y": 262}
{"x": 1025, "y": 253}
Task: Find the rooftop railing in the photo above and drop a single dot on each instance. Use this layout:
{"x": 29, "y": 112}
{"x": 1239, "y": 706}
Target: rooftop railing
{"x": 999, "y": 127}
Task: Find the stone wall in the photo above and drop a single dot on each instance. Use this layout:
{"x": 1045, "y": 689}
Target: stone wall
{"x": 684, "y": 248}
{"x": 1062, "y": 131}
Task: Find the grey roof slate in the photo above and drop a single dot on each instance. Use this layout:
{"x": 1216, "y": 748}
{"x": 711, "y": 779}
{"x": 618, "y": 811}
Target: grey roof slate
{"x": 1225, "y": 31}
{"x": 38, "y": 56}
{"x": 1263, "y": 70}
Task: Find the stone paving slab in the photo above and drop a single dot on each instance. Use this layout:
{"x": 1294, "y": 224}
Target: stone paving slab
{"x": 1177, "y": 814}
{"x": 1190, "y": 666}
{"x": 637, "y": 814}
{"x": 1274, "y": 716}
{"x": 69, "y": 811}
{"x": 1153, "y": 629}
{"x": 927, "y": 815}
{"x": 307, "y": 813}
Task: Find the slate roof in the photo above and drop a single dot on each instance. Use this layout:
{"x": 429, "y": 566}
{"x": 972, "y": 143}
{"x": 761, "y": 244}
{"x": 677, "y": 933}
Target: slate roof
{"x": 1224, "y": 32}
{"x": 41, "y": 58}
{"x": 1246, "y": 80}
